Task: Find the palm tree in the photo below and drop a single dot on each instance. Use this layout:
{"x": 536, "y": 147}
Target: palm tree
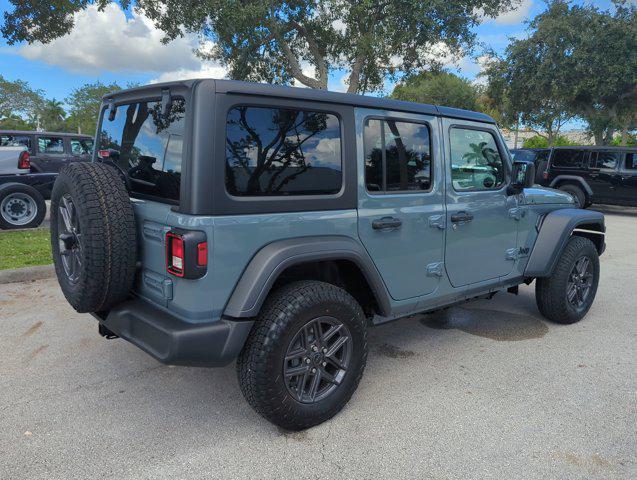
{"x": 52, "y": 115}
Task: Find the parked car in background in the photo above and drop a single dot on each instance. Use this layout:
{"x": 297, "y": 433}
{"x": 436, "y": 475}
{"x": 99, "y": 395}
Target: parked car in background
{"x": 606, "y": 175}
{"x": 22, "y": 193}
{"x": 50, "y": 151}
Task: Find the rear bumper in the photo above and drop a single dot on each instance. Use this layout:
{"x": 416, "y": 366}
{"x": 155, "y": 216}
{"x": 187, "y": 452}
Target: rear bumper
{"x": 174, "y": 341}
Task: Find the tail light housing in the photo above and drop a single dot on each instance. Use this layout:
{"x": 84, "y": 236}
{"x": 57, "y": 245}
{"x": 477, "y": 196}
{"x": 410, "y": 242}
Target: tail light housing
{"x": 186, "y": 253}
{"x": 103, "y": 153}
{"x": 545, "y": 175}
{"x": 24, "y": 161}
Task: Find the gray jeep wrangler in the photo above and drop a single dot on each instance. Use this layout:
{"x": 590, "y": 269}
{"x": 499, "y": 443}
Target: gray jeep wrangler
{"x": 223, "y": 220}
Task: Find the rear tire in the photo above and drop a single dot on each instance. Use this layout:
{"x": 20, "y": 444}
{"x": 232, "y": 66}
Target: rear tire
{"x": 93, "y": 236}
{"x": 275, "y": 366}
{"x": 553, "y": 294}
{"x": 577, "y": 193}
{"x": 21, "y": 206}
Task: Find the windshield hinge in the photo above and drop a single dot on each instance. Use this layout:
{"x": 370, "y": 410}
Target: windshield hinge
{"x": 166, "y": 102}
{"x": 112, "y": 109}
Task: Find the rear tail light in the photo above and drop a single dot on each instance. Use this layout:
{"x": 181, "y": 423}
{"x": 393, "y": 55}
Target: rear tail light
{"x": 545, "y": 175}
{"x": 24, "y": 161}
{"x": 103, "y": 153}
{"x": 186, "y": 253}
{"x": 175, "y": 260}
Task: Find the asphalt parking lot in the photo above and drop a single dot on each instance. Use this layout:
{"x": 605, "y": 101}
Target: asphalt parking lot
{"x": 486, "y": 390}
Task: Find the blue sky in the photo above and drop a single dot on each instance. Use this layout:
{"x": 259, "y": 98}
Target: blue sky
{"x": 122, "y": 47}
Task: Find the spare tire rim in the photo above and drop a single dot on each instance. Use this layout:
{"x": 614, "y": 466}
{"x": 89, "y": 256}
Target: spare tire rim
{"x": 580, "y": 282}
{"x": 18, "y": 208}
{"x": 317, "y": 359}
{"x": 69, "y": 239}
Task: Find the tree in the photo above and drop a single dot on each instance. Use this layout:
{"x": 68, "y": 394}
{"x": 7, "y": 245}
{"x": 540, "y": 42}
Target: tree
{"x": 84, "y": 106}
{"x": 18, "y": 102}
{"x": 438, "y": 88}
{"x": 524, "y": 82}
{"x": 52, "y": 116}
{"x": 577, "y": 61}
{"x": 276, "y": 42}
{"x": 541, "y": 142}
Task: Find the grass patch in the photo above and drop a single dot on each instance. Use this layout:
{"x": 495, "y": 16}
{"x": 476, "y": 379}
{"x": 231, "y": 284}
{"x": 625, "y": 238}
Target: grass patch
{"x": 25, "y": 248}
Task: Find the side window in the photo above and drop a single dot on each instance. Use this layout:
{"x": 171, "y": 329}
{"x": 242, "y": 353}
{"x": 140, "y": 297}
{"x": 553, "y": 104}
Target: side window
{"x": 607, "y": 160}
{"x": 631, "y": 161}
{"x": 397, "y": 156}
{"x": 569, "y": 158}
{"x": 81, "y": 147}
{"x": 476, "y": 163}
{"x": 282, "y": 151}
{"x": 15, "y": 141}
{"x": 50, "y": 145}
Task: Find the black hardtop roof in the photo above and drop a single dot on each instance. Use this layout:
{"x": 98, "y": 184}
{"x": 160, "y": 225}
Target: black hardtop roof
{"x": 580, "y": 147}
{"x": 262, "y": 89}
{"x": 33, "y": 132}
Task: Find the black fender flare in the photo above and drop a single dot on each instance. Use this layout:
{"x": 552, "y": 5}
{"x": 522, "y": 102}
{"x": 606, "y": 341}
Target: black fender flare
{"x": 268, "y": 263}
{"x": 555, "y": 230}
{"x": 572, "y": 179}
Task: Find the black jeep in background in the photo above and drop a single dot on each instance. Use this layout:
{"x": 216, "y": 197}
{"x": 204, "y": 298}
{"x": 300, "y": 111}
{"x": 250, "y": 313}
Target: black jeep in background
{"x": 50, "y": 151}
{"x": 606, "y": 175}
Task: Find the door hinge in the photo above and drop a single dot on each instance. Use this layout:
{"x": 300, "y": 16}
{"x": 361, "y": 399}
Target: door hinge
{"x": 438, "y": 221}
{"x": 434, "y": 269}
{"x": 512, "y": 254}
{"x": 516, "y": 213}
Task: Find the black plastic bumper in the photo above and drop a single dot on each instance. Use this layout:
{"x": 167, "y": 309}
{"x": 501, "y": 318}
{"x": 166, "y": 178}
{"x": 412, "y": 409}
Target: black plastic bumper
{"x": 174, "y": 341}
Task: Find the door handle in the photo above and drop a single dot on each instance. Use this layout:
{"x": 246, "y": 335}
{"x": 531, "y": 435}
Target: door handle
{"x": 386, "y": 223}
{"x": 461, "y": 217}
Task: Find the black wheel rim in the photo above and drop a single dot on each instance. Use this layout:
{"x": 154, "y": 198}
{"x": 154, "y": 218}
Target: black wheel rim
{"x": 317, "y": 359}
{"x": 69, "y": 239}
{"x": 580, "y": 282}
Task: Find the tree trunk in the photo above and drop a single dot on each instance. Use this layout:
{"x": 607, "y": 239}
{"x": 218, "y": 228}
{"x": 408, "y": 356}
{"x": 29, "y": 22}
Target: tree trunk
{"x": 599, "y": 137}
{"x": 624, "y": 139}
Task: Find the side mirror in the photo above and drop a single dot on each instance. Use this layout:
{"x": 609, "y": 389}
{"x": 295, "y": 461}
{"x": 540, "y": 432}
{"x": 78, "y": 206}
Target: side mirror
{"x": 523, "y": 176}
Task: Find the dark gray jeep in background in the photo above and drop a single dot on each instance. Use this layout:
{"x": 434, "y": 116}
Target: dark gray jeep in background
{"x": 223, "y": 220}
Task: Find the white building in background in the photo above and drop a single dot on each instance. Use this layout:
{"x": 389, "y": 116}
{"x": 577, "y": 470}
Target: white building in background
{"x": 579, "y": 137}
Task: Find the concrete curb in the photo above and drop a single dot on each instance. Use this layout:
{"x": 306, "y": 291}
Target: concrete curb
{"x": 27, "y": 274}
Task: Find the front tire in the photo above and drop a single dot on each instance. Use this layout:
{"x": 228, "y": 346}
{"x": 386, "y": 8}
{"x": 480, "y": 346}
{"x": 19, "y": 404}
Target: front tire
{"x": 566, "y": 296}
{"x": 577, "y": 194}
{"x": 305, "y": 355}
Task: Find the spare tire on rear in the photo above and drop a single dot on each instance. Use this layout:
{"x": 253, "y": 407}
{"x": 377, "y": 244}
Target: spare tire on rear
{"x": 93, "y": 236}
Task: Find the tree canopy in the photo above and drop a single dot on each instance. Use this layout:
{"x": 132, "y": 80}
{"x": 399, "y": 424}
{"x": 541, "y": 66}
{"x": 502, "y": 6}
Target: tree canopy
{"x": 577, "y": 61}
{"x": 276, "y": 42}
{"x": 438, "y": 88}
{"x": 84, "y": 104}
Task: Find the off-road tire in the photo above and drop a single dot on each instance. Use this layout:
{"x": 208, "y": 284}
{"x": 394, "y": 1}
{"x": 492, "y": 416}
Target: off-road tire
{"x": 577, "y": 193}
{"x": 36, "y": 199}
{"x": 260, "y": 364}
{"x": 550, "y": 292}
{"x": 108, "y": 237}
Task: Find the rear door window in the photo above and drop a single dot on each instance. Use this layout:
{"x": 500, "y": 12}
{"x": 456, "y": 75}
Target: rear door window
{"x": 282, "y": 151}
{"x": 569, "y": 158}
{"x": 631, "y": 161}
{"x": 147, "y": 147}
{"x": 397, "y": 156}
{"x": 81, "y": 146}
{"x": 606, "y": 160}
{"x": 51, "y": 145}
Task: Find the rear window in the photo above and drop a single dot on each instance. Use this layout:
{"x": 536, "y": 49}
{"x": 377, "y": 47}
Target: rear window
{"x": 282, "y": 151}
{"x": 608, "y": 160}
{"x": 147, "y": 146}
{"x": 569, "y": 158}
{"x": 8, "y": 140}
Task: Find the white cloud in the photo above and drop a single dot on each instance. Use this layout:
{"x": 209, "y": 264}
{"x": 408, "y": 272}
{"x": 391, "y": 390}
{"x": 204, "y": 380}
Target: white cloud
{"x": 109, "y": 41}
{"x": 515, "y": 16}
{"x": 205, "y": 71}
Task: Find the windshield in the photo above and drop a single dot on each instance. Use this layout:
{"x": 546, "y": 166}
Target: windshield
{"x": 147, "y": 147}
